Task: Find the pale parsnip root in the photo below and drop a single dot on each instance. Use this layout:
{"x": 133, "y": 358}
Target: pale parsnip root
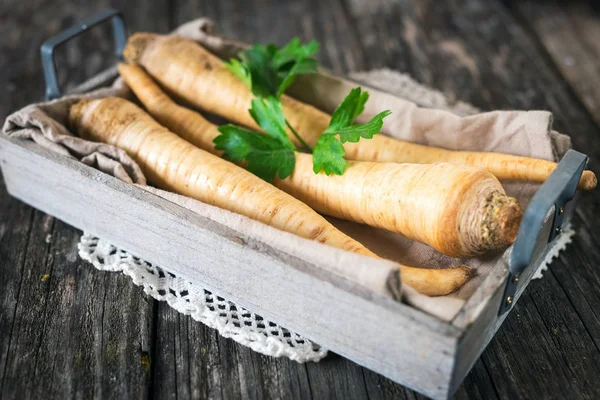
{"x": 461, "y": 211}
{"x": 196, "y": 76}
{"x": 176, "y": 165}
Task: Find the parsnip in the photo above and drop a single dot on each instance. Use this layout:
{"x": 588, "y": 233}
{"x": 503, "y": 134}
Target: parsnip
{"x": 194, "y": 75}
{"x": 461, "y": 211}
{"x": 174, "y": 164}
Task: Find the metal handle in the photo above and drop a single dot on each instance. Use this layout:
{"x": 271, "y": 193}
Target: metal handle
{"x": 551, "y": 198}
{"x": 47, "y": 48}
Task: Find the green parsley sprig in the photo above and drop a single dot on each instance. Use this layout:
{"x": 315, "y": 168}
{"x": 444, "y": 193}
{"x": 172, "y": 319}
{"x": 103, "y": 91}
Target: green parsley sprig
{"x": 269, "y": 71}
{"x": 328, "y": 153}
{"x": 266, "y": 156}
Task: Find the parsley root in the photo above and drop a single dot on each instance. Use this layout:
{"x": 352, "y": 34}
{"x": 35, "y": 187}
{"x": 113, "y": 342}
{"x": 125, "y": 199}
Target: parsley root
{"x": 459, "y": 210}
{"x": 191, "y": 73}
{"x": 174, "y": 164}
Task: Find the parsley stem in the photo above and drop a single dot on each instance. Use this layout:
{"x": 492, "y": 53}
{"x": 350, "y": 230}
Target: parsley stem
{"x": 298, "y": 136}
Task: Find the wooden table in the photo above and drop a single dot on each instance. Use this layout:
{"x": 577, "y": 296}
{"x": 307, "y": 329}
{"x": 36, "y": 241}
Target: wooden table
{"x": 69, "y": 330}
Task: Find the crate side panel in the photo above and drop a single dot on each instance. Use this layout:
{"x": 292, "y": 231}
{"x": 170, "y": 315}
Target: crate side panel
{"x": 393, "y": 341}
{"x": 482, "y": 330}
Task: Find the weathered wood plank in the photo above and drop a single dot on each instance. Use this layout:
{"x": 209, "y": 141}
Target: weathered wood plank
{"x": 29, "y": 311}
{"x": 578, "y": 275}
{"x": 79, "y": 332}
{"x": 15, "y": 226}
{"x": 524, "y": 352}
{"x": 477, "y": 385}
{"x": 105, "y": 318}
{"x": 568, "y": 30}
{"x": 26, "y": 25}
{"x": 433, "y": 50}
{"x": 195, "y": 362}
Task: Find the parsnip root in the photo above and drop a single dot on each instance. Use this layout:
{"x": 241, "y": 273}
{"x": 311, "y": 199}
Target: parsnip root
{"x": 174, "y": 164}
{"x": 459, "y": 210}
{"x": 192, "y": 74}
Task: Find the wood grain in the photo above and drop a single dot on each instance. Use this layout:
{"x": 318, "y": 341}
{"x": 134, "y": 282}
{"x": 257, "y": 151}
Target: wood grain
{"x": 568, "y": 31}
{"x": 77, "y": 331}
{"x": 225, "y": 370}
{"x": 102, "y": 359}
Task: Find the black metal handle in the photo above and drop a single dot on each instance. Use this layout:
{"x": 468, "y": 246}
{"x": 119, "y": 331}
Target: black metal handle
{"x": 47, "y": 48}
{"x": 551, "y": 198}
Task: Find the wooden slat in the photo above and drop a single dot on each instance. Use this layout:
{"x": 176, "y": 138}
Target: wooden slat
{"x": 78, "y": 332}
{"x": 205, "y": 365}
{"x": 15, "y": 226}
{"x": 107, "y": 323}
{"x": 568, "y": 31}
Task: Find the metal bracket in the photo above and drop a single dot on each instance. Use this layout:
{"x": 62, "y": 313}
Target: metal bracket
{"x": 551, "y": 198}
{"x": 47, "y": 48}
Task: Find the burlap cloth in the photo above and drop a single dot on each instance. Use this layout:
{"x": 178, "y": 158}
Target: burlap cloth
{"x": 419, "y": 114}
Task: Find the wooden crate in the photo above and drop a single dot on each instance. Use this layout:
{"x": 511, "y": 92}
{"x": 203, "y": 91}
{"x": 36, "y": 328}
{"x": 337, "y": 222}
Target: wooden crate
{"x": 402, "y": 343}
{"x": 391, "y": 338}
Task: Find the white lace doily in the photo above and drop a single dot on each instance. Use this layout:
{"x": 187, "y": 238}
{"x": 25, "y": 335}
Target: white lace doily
{"x": 561, "y": 243}
{"x": 230, "y": 320}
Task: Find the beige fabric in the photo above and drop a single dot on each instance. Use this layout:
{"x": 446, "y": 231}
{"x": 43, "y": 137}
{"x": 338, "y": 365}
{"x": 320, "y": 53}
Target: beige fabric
{"x": 429, "y": 118}
{"x": 45, "y": 123}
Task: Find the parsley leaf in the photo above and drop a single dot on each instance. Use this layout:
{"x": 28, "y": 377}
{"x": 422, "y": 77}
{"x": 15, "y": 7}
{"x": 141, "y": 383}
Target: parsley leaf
{"x": 269, "y": 70}
{"x": 265, "y": 156}
{"x": 294, "y": 50}
{"x": 328, "y": 153}
{"x": 240, "y": 70}
{"x": 354, "y": 133}
{"x": 350, "y": 108}
{"x": 268, "y": 114}
{"x": 328, "y": 156}
{"x": 294, "y": 59}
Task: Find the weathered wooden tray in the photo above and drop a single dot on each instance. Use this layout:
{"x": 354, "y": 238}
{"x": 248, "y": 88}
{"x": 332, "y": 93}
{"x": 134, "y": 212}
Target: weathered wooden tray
{"x": 391, "y": 338}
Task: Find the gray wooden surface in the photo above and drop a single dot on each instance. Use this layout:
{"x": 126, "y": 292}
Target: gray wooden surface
{"x": 82, "y": 333}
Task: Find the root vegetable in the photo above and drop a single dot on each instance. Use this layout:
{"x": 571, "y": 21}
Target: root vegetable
{"x": 176, "y": 165}
{"x": 459, "y": 210}
{"x": 502, "y": 166}
{"x": 196, "y": 76}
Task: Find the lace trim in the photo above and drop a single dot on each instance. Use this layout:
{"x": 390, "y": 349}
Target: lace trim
{"x": 230, "y": 320}
{"x": 563, "y": 240}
